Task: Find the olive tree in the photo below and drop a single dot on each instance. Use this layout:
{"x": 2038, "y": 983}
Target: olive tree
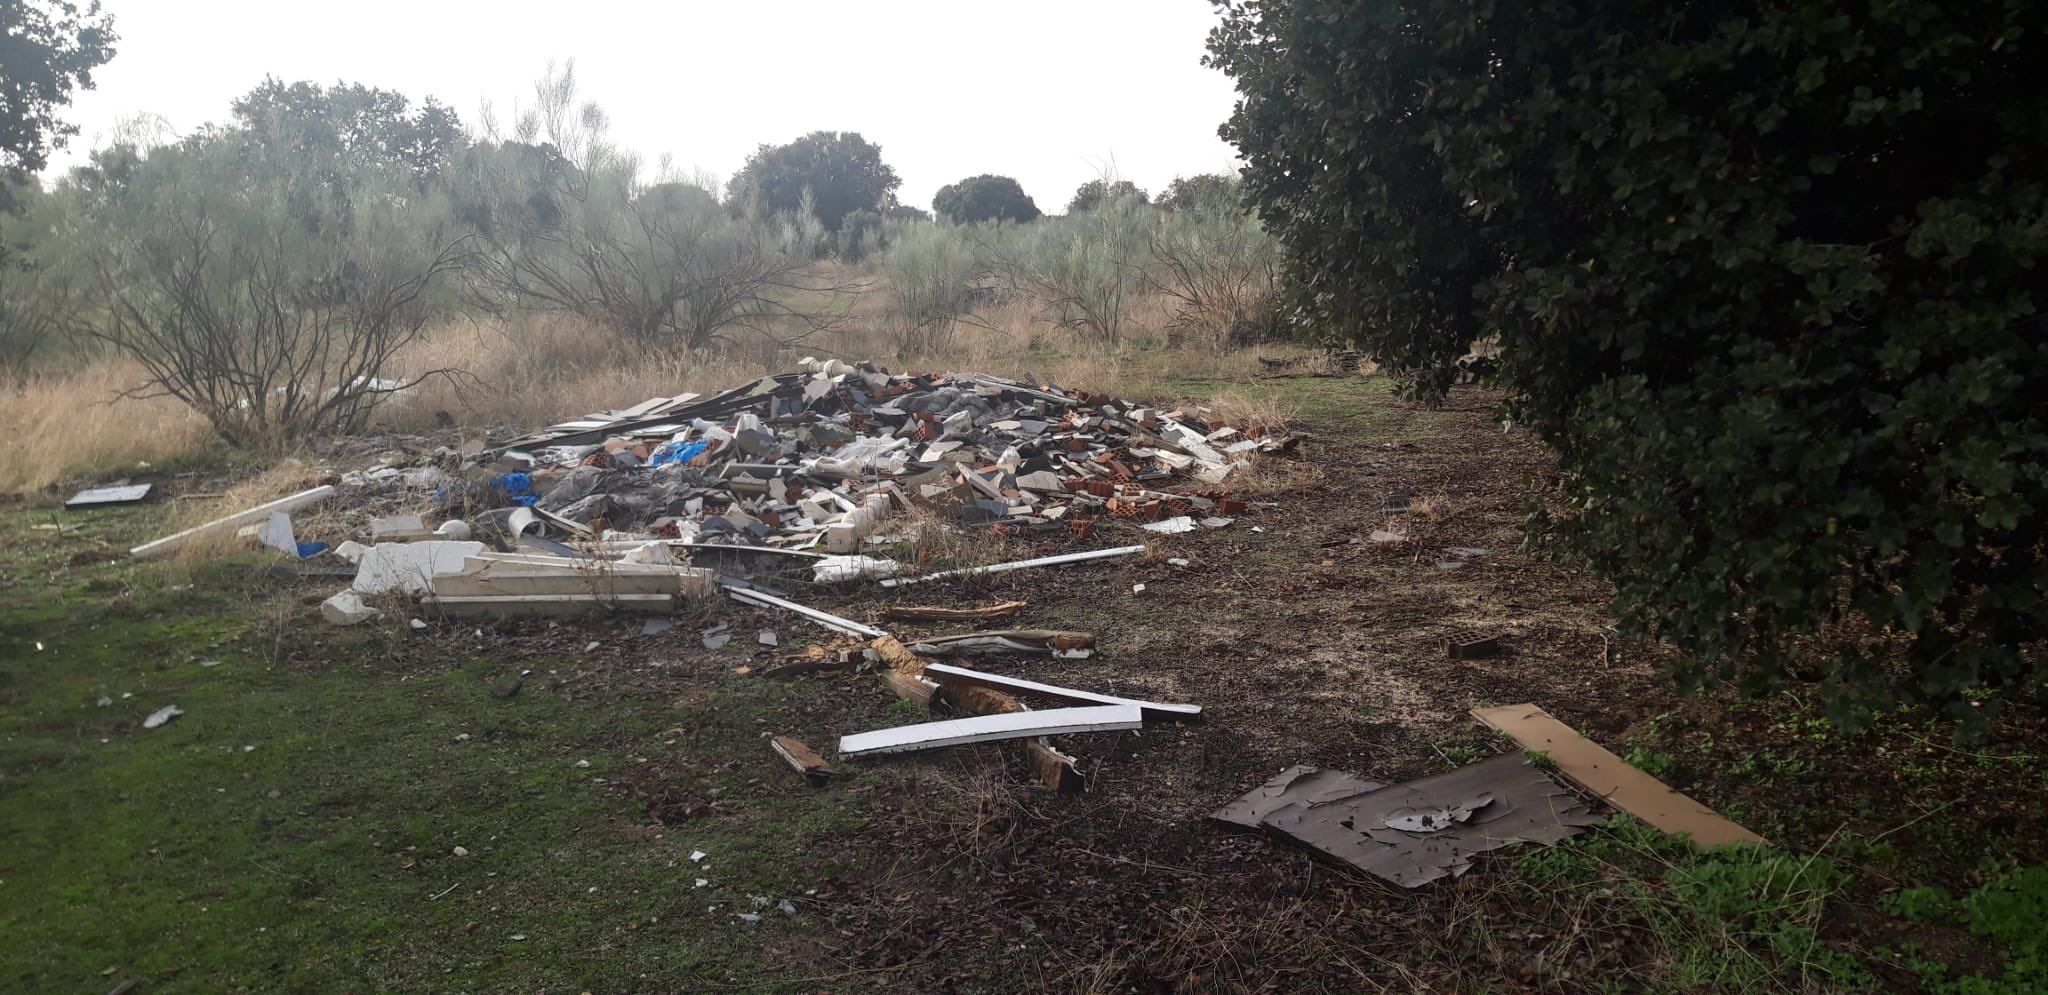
{"x": 261, "y": 284}
{"x": 565, "y": 223}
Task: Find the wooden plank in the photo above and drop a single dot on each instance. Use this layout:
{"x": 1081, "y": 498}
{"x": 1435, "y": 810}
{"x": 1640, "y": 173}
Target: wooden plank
{"x": 896, "y": 656}
{"x": 910, "y": 687}
{"x": 1054, "y": 769}
{"x": 528, "y": 606}
{"x": 260, "y": 513}
{"x": 1609, "y": 778}
{"x": 492, "y": 584}
{"x": 914, "y": 613}
{"x": 973, "y": 700}
{"x": 949, "y": 675}
{"x": 802, "y": 759}
{"x": 991, "y": 728}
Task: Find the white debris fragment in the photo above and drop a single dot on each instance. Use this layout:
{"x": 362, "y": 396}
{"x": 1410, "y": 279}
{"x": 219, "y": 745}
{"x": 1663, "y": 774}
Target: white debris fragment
{"x": 697, "y": 855}
{"x": 161, "y": 716}
{"x": 347, "y": 608}
{"x": 410, "y": 567}
{"x": 1174, "y": 525}
{"x": 277, "y": 534}
{"x": 839, "y": 569}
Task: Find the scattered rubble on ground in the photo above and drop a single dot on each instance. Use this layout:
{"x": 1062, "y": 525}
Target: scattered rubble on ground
{"x": 804, "y": 474}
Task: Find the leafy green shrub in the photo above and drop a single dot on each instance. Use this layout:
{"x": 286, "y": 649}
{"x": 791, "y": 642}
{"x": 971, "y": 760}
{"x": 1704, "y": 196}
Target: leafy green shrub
{"x": 1094, "y": 193}
{"x": 926, "y": 268}
{"x": 984, "y": 198}
{"x": 828, "y": 174}
{"x": 1766, "y": 277}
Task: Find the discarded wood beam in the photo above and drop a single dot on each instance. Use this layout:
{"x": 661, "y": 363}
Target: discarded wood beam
{"x": 1611, "y": 779}
{"x": 970, "y": 699}
{"x": 949, "y": 675}
{"x": 914, "y": 613}
{"x": 1054, "y": 769}
{"x": 1471, "y": 648}
{"x": 826, "y": 619}
{"x": 249, "y": 516}
{"x": 802, "y": 759}
{"x": 991, "y": 728}
{"x": 910, "y": 687}
{"x": 527, "y": 606}
{"x": 1043, "y": 561}
{"x": 543, "y": 585}
{"x": 1063, "y": 644}
{"x": 896, "y": 656}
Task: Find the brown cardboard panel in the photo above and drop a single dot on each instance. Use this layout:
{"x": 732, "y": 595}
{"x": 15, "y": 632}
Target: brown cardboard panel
{"x": 1608, "y": 777}
{"x": 1414, "y": 833}
{"x": 1299, "y": 783}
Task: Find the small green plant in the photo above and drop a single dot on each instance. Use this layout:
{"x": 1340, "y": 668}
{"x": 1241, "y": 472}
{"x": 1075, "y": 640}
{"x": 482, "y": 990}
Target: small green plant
{"x": 1541, "y": 760}
{"x": 1650, "y": 761}
{"x": 1927, "y": 904}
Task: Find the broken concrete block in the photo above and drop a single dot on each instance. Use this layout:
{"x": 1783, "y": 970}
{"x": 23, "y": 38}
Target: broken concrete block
{"x": 410, "y": 567}
{"x": 399, "y": 528}
{"x": 347, "y": 608}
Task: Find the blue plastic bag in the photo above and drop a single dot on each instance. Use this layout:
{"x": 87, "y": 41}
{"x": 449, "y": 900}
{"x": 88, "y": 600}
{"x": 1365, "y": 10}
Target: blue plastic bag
{"x": 678, "y": 452}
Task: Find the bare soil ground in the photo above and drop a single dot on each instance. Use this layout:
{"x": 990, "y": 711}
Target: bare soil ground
{"x": 949, "y": 871}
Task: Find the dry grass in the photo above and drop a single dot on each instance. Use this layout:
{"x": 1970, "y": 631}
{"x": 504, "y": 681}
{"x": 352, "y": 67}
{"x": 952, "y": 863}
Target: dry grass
{"x": 67, "y": 426}
{"x": 288, "y": 477}
{"x": 1429, "y": 507}
{"x": 1246, "y": 411}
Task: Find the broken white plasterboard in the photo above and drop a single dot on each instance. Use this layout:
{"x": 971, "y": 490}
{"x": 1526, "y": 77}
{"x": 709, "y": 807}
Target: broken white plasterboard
{"x": 945, "y": 673}
{"x": 990, "y": 728}
{"x": 1174, "y": 525}
{"x": 1043, "y": 561}
{"x": 410, "y": 567}
{"x": 247, "y": 516}
{"x": 100, "y": 496}
{"x": 277, "y": 534}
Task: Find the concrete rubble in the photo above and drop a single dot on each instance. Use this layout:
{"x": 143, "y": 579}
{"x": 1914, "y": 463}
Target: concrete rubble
{"x": 797, "y": 478}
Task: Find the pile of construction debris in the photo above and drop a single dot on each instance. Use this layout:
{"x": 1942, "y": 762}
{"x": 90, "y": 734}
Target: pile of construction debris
{"x": 668, "y": 493}
{"x": 678, "y": 498}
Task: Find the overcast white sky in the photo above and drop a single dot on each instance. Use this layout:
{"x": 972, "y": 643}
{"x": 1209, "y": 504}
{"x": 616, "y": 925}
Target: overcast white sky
{"x": 1049, "y": 91}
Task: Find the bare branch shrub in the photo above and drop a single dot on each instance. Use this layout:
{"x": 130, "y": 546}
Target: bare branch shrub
{"x": 927, "y": 268}
{"x": 565, "y": 224}
{"x": 1221, "y": 270}
{"x": 264, "y": 284}
{"x": 1086, "y": 267}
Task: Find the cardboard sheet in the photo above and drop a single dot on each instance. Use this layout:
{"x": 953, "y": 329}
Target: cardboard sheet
{"x": 1299, "y": 783}
{"x": 1612, "y": 780}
